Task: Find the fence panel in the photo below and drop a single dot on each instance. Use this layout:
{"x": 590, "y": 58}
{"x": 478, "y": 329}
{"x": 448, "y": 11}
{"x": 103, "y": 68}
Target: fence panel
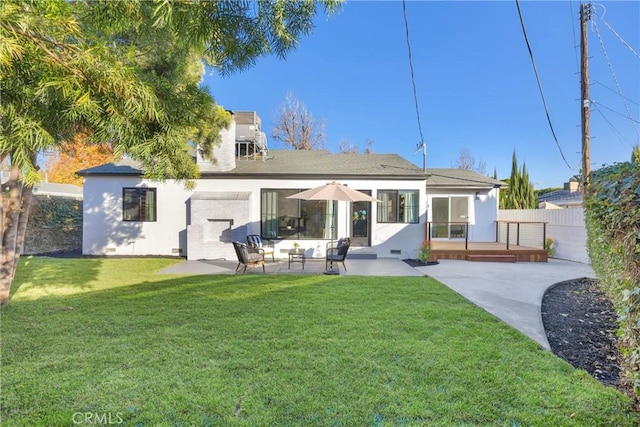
{"x": 565, "y": 226}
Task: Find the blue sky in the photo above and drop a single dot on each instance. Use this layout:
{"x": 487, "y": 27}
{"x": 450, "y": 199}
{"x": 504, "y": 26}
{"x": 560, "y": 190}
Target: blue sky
{"x": 474, "y": 79}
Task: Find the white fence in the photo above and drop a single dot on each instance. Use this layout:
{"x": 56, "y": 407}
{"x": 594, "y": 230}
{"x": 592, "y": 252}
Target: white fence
{"x": 565, "y": 226}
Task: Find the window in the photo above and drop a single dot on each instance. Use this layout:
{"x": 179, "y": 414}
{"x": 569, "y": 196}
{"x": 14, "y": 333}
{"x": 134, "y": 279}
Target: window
{"x": 138, "y": 204}
{"x": 283, "y": 218}
{"x": 398, "y": 206}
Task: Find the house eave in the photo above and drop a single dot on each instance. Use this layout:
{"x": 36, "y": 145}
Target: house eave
{"x": 461, "y": 187}
{"x": 332, "y": 177}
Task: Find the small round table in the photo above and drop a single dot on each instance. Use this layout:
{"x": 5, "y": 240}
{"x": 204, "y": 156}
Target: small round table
{"x": 297, "y": 255}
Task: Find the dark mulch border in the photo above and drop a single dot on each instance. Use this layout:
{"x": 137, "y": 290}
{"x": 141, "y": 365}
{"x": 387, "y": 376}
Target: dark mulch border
{"x": 417, "y": 263}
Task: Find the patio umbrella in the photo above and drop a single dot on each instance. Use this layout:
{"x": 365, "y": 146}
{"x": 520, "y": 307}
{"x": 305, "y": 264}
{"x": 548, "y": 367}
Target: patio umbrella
{"x": 333, "y": 191}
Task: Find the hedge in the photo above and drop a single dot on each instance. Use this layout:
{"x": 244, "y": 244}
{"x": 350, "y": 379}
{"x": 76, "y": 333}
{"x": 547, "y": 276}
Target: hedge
{"x": 612, "y": 215}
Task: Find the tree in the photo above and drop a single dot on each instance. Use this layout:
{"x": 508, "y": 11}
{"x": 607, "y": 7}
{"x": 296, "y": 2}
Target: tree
{"x": 466, "y": 160}
{"x": 635, "y": 154}
{"x": 75, "y": 155}
{"x": 296, "y": 127}
{"x": 348, "y": 147}
{"x": 129, "y": 72}
{"x": 520, "y": 193}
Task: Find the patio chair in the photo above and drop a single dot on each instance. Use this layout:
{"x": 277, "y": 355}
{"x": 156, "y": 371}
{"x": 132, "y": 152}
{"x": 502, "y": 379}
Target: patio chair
{"x": 248, "y": 256}
{"x": 337, "y": 252}
{"x": 256, "y": 241}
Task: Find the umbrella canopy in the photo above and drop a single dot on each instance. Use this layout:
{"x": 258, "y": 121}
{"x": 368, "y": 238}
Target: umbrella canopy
{"x": 333, "y": 191}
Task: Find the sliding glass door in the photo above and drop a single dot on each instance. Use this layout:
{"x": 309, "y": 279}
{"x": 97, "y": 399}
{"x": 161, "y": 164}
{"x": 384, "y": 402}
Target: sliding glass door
{"x": 448, "y": 215}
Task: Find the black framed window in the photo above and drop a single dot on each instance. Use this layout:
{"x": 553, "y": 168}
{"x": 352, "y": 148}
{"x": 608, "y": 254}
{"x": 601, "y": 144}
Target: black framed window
{"x": 139, "y": 204}
{"x": 398, "y": 206}
{"x": 282, "y": 218}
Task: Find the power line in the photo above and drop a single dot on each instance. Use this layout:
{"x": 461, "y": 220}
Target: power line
{"x": 614, "y": 111}
{"x": 573, "y": 33}
{"x": 622, "y": 96}
{"x": 535, "y": 70}
{"x": 594, "y": 26}
{"x": 615, "y": 32}
{"x": 611, "y": 126}
{"x": 413, "y": 80}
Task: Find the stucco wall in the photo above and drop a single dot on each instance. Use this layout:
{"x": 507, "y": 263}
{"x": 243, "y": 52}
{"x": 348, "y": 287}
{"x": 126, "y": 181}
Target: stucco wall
{"x": 104, "y": 232}
{"x": 483, "y": 211}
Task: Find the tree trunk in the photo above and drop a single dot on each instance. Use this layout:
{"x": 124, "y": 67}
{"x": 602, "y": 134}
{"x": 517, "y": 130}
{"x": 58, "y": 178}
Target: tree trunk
{"x": 16, "y": 204}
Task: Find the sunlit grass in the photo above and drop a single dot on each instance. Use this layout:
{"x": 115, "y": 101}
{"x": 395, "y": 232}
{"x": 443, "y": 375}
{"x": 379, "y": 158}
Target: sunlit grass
{"x": 264, "y": 350}
{"x": 42, "y": 276}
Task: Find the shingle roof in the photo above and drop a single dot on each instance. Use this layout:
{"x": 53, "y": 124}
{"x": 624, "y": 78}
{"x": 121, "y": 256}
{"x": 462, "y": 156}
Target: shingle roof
{"x": 303, "y": 164}
{"x": 123, "y": 167}
{"x": 440, "y": 177}
{"x": 320, "y": 163}
{"x": 294, "y": 164}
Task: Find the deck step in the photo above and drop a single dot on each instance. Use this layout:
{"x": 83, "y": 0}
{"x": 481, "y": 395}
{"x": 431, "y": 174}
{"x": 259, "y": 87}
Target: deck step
{"x": 492, "y": 258}
{"x": 361, "y": 253}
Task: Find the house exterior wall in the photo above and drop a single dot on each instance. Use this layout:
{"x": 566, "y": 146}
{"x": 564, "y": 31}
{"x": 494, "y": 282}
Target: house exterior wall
{"x": 483, "y": 210}
{"x": 106, "y": 234}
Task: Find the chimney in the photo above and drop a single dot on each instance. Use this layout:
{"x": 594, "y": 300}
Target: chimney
{"x": 224, "y": 153}
{"x": 572, "y": 186}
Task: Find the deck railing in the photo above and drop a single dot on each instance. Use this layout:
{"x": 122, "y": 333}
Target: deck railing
{"x": 460, "y": 230}
{"x": 519, "y": 233}
{"x": 522, "y": 233}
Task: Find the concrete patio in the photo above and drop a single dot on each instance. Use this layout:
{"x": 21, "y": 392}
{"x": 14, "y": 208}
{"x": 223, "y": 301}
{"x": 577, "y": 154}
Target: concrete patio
{"x": 356, "y": 267}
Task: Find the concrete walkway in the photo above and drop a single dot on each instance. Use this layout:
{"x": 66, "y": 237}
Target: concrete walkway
{"x": 511, "y": 292}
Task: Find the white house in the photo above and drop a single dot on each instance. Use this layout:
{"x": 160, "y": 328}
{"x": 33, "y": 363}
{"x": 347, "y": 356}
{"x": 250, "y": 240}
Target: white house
{"x": 245, "y": 192}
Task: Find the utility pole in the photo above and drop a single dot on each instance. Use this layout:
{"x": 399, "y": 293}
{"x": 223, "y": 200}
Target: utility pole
{"x": 585, "y": 15}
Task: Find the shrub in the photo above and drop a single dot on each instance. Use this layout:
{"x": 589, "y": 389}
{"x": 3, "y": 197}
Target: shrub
{"x": 549, "y": 246}
{"x": 425, "y": 249}
{"x": 612, "y": 215}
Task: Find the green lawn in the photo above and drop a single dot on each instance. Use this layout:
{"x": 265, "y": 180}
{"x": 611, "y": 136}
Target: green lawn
{"x": 110, "y": 337}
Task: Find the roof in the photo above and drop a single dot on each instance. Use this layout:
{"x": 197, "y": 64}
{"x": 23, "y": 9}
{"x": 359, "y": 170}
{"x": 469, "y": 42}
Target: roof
{"x": 314, "y": 164}
{"x": 463, "y": 178}
{"x": 562, "y": 197}
{"x": 123, "y": 167}
{"x": 59, "y": 190}
{"x": 299, "y": 164}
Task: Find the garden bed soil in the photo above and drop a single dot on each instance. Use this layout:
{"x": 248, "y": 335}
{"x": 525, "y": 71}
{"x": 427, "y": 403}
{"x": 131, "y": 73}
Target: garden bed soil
{"x": 580, "y": 323}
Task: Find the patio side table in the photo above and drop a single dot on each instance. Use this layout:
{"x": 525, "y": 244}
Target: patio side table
{"x": 297, "y": 255}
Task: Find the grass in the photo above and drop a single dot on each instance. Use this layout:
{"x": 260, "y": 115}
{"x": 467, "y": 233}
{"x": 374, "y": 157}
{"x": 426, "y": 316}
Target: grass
{"x": 111, "y": 338}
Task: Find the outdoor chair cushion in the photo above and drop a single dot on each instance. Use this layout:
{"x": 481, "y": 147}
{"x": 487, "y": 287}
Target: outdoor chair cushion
{"x": 256, "y": 241}
{"x": 248, "y": 256}
{"x": 337, "y": 251}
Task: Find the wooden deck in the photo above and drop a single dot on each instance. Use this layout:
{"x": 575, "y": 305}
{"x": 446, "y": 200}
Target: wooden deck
{"x": 485, "y": 251}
